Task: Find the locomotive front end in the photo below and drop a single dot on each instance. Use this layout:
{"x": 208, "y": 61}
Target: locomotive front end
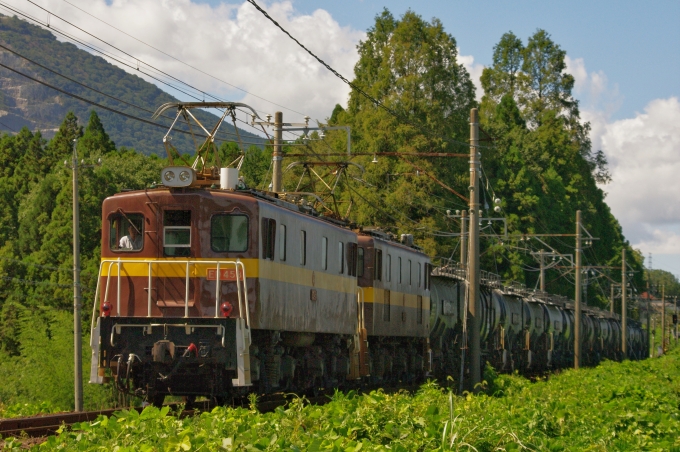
{"x": 173, "y": 293}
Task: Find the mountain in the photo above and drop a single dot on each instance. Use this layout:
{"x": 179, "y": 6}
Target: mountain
{"x": 26, "y": 103}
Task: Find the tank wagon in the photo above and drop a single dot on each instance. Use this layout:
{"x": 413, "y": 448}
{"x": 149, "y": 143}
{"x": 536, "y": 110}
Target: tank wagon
{"x": 218, "y": 290}
{"x": 525, "y": 331}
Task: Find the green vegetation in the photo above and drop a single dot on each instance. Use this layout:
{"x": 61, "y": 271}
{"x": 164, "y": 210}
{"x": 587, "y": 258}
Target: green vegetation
{"x": 628, "y": 406}
{"x": 536, "y": 157}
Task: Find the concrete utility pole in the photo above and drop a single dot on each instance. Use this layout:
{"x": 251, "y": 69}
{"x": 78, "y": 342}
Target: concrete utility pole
{"x": 663, "y": 318}
{"x": 474, "y": 310}
{"x": 77, "y": 334}
{"x": 277, "y": 156}
{"x": 624, "y": 305}
{"x": 676, "y": 318}
{"x": 542, "y": 274}
{"x": 577, "y": 298}
{"x": 463, "y": 239}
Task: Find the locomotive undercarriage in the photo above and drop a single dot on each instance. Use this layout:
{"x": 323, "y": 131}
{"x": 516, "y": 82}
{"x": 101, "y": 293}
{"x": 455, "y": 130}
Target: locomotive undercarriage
{"x": 196, "y": 357}
{"x": 309, "y": 363}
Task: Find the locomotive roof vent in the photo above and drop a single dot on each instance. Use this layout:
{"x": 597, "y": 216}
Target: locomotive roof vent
{"x": 407, "y": 239}
{"x": 178, "y": 176}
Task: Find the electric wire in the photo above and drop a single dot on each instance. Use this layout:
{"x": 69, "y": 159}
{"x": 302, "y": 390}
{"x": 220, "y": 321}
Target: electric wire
{"x": 128, "y": 64}
{"x": 180, "y": 61}
{"x": 8, "y": 127}
{"x": 375, "y": 101}
{"x": 96, "y": 104}
{"x": 97, "y": 50}
{"x": 122, "y": 51}
{"x": 98, "y": 91}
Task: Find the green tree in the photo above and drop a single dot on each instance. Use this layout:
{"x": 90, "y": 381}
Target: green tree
{"x": 541, "y": 164}
{"x": 61, "y": 146}
{"x": 500, "y": 79}
{"x": 411, "y": 66}
{"x": 95, "y": 138}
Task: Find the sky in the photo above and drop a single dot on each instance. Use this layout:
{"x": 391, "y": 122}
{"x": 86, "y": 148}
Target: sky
{"x": 624, "y": 55}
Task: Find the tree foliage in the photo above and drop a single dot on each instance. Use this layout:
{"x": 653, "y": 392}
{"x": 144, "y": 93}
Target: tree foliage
{"x": 542, "y": 165}
{"x": 411, "y": 67}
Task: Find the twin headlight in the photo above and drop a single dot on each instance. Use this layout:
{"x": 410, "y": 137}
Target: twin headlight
{"x": 178, "y": 176}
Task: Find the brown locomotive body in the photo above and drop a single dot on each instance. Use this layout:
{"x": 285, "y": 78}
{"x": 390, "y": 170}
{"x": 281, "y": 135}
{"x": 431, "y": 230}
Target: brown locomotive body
{"x": 307, "y": 302}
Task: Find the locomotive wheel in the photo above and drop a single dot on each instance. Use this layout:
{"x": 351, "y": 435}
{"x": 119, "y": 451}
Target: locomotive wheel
{"x": 190, "y": 403}
{"x": 157, "y": 400}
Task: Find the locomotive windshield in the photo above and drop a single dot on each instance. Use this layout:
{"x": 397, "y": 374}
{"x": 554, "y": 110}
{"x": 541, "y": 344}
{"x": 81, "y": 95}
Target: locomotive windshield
{"x": 126, "y": 232}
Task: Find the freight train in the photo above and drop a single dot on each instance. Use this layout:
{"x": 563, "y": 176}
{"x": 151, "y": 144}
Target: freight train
{"x": 219, "y": 290}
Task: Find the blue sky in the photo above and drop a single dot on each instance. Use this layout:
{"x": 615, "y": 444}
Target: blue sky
{"x": 635, "y": 43}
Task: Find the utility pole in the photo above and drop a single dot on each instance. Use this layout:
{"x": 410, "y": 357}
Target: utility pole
{"x": 463, "y": 239}
{"x": 676, "y": 320}
{"x": 77, "y": 334}
{"x": 577, "y": 298}
{"x": 473, "y": 256}
{"x": 277, "y": 156}
{"x": 663, "y": 318}
{"x": 611, "y": 306}
{"x": 624, "y": 307}
{"x": 542, "y": 267}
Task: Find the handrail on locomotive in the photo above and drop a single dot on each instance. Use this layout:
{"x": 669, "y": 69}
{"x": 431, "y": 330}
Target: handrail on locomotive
{"x": 238, "y": 267}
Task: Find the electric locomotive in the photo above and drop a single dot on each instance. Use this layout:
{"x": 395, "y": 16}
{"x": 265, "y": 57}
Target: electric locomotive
{"x": 208, "y": 290}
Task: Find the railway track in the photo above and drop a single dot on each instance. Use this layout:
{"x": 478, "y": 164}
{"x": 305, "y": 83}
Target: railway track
{"x": 42, "y": 426}
{"x": 46, "y": 425}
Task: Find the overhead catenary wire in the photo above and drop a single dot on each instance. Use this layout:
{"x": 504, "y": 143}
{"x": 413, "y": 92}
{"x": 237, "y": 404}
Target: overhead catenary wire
{"x": 96, "y": 104}
{"x": 121, "y": 50}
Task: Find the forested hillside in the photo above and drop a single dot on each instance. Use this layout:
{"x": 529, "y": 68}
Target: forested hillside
{"x": 26, "y": 103}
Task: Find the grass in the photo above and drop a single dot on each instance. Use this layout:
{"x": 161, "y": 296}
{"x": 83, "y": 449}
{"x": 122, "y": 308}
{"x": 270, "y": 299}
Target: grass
{"x": 615, "y": 406}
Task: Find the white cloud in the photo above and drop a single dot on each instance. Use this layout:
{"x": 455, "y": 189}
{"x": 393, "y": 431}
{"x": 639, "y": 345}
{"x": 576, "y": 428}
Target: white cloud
{"x": 475, "y": 70}
{"x": 233, "y": 42}
{"x": 643, "y": 155}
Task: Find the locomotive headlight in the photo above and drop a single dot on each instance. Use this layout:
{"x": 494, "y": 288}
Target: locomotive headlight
{"x": 178, "y": 176}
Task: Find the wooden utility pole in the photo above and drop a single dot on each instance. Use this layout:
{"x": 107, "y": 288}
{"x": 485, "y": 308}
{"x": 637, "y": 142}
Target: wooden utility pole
{"x": 542, "y": 273}
{"x": 624, "y": 305}
{"x": 577, "y": 297}
{"x": 277, "y": 155}
{"x": 474, "y": 310}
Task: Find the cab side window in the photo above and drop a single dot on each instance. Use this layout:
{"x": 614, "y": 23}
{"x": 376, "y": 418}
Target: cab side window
{"x": 126, "y": 232}
{"x": 268, "y": 238}
{"x": 177, "y": 233}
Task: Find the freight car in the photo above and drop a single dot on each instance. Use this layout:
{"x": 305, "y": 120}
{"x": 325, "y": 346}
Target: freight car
{"x": 218, "y": 290}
